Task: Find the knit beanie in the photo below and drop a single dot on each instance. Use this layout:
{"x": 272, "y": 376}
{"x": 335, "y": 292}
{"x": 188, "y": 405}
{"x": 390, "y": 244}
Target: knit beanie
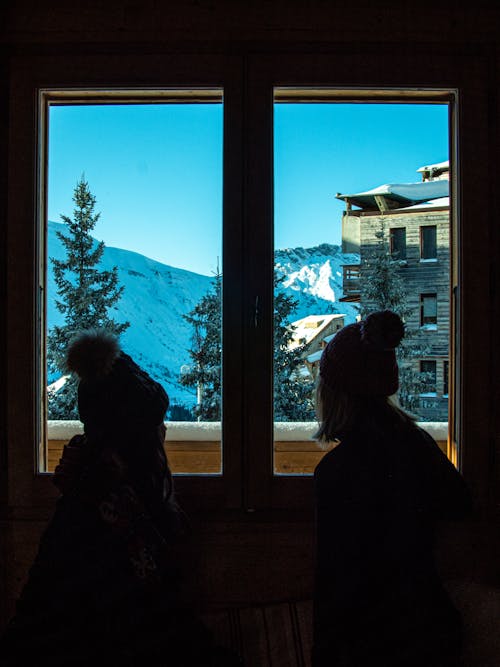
{"x": 360, "y": 359}
{"x": 114, "y": 393}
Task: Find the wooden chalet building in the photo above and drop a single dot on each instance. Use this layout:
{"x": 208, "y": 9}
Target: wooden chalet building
{"x": 415, "y": 220}
{"x": 313, "y": 333}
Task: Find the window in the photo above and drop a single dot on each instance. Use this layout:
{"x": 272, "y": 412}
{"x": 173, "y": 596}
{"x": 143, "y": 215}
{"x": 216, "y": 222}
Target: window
{"x": 445, "y": 377}
{"x": 398, "y": 243}
{"x": 428, "y": 373}
{"x": 428, "y": 310}
{"x": 317, "y": 257}
{"x": 249, "y": 239}
{"x": 428, "y": 244}
{"x": 158, "y": 215}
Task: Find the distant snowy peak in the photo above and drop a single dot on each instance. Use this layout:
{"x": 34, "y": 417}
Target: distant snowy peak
{"x": 314, "y": 277}
{"x": 316, "y": 280}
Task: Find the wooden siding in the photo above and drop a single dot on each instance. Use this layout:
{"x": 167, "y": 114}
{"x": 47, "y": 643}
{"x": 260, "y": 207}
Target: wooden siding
{"x": 420, "y": 277}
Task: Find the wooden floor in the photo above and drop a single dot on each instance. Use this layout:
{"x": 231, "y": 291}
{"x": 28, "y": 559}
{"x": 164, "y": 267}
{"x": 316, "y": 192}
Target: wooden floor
{"x": 278, "y": 635}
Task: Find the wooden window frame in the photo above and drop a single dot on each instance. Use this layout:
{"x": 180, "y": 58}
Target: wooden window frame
{"x": 248, "y": 83}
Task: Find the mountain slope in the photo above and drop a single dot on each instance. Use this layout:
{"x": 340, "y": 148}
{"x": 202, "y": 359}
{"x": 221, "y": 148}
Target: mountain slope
{"x": 157, "y": 295}
{"x": 153, "y": 301}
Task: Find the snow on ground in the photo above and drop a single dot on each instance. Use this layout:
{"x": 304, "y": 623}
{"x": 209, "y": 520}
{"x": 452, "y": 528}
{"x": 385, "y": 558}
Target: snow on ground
{"x": 211, "y": 431}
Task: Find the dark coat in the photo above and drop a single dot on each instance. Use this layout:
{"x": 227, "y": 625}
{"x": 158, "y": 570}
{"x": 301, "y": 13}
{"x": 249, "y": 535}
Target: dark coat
{"x": 378, "y": 598}
{"x": 104, "y": 587}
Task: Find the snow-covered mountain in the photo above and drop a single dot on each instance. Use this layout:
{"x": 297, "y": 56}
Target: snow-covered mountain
{"x": 157, "y": 295}
{"x": 313, "y": 276}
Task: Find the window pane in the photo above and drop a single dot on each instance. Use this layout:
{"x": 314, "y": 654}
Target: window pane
{"x": 428, "y": 242}
{"x": 445, "y": 378}
{"x": 338, "y": 256}
{"x": 428, "y": 309}
{"x": 428, "y": 372}
{"x": 398, "y": 243}
{"x": 142, "y": 185}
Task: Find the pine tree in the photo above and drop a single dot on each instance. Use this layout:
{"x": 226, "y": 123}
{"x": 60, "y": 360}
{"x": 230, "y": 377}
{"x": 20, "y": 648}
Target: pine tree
{"x": 292, "y": 394}
{"x": 292, "y": 391}
{"x": 85, "y": 295}
{"x": 383, "y": 287}
{"x": 205, "y": 372}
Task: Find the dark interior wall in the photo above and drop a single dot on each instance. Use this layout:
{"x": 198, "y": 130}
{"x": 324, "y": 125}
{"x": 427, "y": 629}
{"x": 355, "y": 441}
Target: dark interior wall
{"x": 273, "y": 549}
{"x": 233, "y": 24}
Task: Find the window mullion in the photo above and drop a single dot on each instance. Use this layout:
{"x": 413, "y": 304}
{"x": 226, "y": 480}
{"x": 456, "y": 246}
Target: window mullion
{"x": 258, "y": 295}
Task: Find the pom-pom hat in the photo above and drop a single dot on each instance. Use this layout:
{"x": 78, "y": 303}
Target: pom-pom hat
{"x": 360, "y": 359}
{"x": 114, "y": 393}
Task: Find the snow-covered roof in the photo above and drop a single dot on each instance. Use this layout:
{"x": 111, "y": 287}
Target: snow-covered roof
{"x": 438, "y": 166}
{"x": 308, "y": 328}
{"x": 434, "y": 203}
{"x": 58, "y": 384}
{"x": 315, "y": 356}
{"x": 398, "y": 194}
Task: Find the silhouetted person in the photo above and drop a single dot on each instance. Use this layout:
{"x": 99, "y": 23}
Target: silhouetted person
{"x": 379, "y": 493}
{"x": 104, "y": 587}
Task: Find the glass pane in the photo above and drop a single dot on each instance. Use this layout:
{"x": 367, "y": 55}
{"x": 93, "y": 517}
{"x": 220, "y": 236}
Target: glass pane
{"x": 335, "y": 254}
{"x": 429, "y": 248}
{"x": 134, "y": 244}
{"x": 429, "y": 309}
{"x": 398, "y": 243}
{"x": 428, "y": 372}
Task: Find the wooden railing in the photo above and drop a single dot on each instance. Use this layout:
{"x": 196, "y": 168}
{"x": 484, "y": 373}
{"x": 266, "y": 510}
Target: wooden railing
{"x": 294, "y": 451}
{"x": 350, "y": 282}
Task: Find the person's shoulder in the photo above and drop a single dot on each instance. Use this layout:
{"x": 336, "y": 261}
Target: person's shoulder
{"x": 330, "y": 460}
{"x": 341, "y": 455}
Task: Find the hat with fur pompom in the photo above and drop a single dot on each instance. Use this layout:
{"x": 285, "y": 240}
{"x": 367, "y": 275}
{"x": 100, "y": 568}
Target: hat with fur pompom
{"x": 360, "y": 359}
{"x": 113, "y": 392}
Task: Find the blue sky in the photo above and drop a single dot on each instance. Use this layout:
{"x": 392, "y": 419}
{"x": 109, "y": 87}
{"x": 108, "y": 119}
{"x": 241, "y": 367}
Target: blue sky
{"x": 156, "y": 170}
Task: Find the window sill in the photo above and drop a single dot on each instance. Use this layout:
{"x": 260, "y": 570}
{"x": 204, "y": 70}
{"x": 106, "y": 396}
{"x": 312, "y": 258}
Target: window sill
{"x": 429, "y": 327}
{"x": 430, "y": 260}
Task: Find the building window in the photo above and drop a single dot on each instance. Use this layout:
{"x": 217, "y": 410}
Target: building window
{"x": 445, "y": 377}
{"x": 398, "y": 243}
{"x": 428, "y": 310}
{"x": 428, "y": 377}
{"x": 428, "y": 242}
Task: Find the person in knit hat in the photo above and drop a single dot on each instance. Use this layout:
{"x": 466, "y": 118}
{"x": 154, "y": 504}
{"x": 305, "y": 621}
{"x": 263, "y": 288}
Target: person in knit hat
{"x": 105, "y": 585}
{"x": 379, "y": 493}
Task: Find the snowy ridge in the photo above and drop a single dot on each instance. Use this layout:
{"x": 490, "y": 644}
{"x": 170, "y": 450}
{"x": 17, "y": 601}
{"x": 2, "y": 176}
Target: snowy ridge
{"x": 157, "y": 295}
{"x": 313, "y": 276}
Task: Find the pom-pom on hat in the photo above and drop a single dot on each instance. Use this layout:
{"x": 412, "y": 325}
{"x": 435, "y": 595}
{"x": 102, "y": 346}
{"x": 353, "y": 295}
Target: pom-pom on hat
{"x": 360, "y": 359}
{"x": 114, "y": 393}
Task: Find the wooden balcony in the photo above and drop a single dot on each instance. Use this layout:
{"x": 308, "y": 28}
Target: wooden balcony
{"x": 351, "y": 282}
